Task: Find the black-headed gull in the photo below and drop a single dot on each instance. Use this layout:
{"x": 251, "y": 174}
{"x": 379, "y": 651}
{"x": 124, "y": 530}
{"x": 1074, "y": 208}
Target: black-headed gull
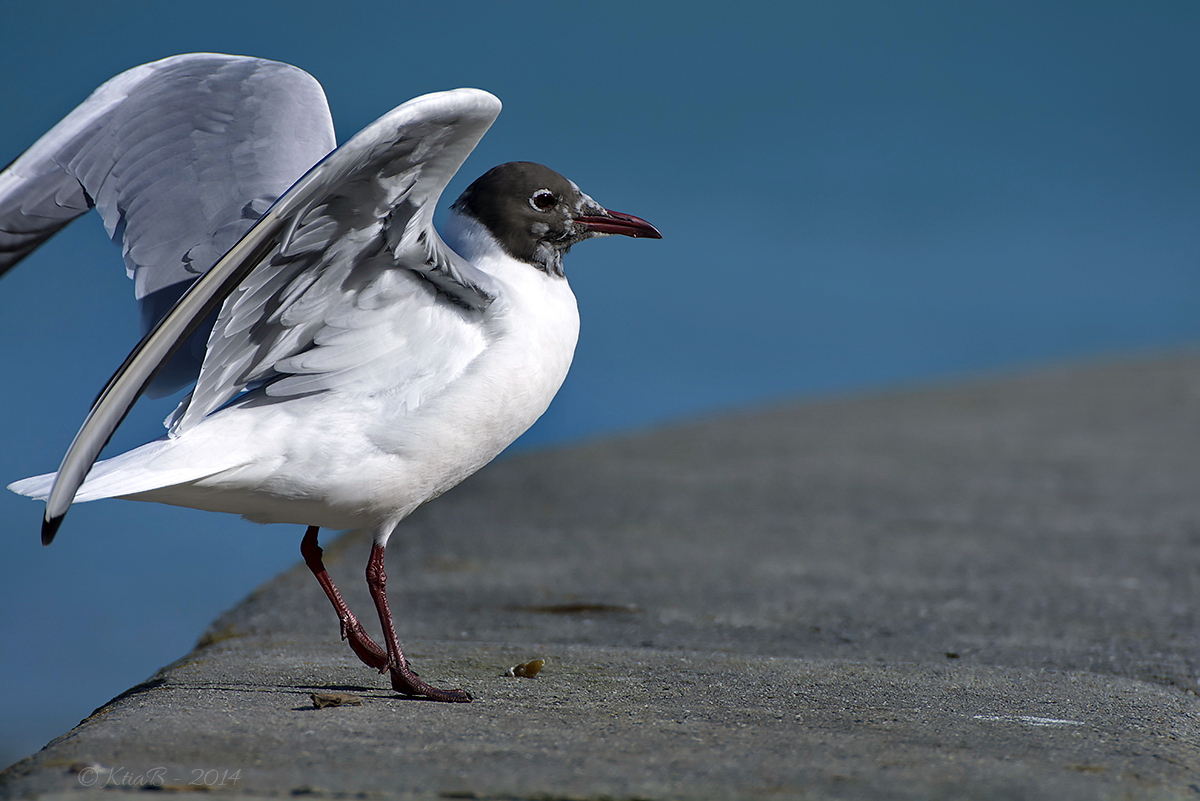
{"x": 349, "y": 364}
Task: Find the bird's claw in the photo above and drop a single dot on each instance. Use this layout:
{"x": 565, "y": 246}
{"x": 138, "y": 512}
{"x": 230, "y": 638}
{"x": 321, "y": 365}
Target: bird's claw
{"x": 407, "y": 683}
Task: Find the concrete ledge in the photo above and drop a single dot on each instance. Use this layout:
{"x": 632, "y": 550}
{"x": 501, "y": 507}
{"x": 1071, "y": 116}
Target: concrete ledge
{"x": 986, "y": 590}
{"x": 632, "y": 723}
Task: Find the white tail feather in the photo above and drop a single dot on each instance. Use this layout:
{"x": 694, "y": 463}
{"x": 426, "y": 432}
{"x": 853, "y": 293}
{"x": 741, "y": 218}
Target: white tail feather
{"x": 130, "y": 473}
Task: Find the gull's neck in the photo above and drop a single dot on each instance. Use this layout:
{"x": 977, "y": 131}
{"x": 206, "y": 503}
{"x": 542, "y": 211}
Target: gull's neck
{"x": 470, "y": 239}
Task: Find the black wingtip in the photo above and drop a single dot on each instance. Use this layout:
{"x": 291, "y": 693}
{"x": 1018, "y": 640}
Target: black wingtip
{"x": 50, "y": 528}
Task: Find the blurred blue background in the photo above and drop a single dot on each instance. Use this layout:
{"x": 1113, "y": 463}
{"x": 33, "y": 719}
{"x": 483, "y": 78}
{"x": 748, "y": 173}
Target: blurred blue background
{"x": 853, "y": 195}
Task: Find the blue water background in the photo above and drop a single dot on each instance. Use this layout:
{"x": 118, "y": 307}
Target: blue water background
{"x": 853, "y": 195}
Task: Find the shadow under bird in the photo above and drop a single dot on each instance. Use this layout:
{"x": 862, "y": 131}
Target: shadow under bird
{"x": 349, "y": 364}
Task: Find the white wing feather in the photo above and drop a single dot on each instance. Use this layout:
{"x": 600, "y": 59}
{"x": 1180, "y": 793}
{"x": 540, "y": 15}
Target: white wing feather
{"x": 308, "y": 318}
{"x": 305, "y": 284}
{"x": 179, "y": 157}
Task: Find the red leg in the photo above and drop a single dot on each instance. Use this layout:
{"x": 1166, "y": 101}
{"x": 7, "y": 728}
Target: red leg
{"x": 404, "y": 680}
{"x": 360, "y": 642}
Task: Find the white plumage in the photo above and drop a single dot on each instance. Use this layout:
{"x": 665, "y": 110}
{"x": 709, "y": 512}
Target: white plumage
{"x": 357, "y": 365}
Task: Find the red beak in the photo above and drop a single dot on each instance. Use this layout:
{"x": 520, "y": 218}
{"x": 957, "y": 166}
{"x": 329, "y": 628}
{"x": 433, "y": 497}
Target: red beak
{"x": 617, "y": 223}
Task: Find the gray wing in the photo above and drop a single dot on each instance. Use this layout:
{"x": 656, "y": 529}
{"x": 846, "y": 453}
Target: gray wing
{"x": 307, "y": 276}
{"x": 179, "y": 157}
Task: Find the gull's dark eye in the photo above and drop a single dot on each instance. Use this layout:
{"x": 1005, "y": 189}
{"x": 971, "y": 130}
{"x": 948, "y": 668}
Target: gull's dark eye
{"x": 543, "y": 200}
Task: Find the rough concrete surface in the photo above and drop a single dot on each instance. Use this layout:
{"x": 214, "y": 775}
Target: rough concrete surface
{"x": 981, "y": 590}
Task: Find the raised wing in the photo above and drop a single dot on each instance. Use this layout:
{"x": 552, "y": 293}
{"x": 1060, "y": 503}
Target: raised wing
{"x": 352, "y": 234}
{"x": 179, "y": 157}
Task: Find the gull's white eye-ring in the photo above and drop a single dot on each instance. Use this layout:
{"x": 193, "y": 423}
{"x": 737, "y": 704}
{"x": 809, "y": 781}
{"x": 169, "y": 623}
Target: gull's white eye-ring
{"x": 543, "y": 200}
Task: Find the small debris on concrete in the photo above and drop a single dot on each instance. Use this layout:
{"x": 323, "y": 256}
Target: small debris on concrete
{"x": 528, "y": 670}
{"x": 322, "y": 700}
